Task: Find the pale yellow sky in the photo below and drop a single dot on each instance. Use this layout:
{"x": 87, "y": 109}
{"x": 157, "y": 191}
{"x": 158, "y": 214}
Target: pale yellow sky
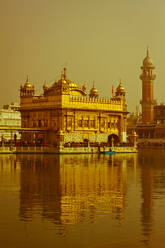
{"x": 98, "y": 40}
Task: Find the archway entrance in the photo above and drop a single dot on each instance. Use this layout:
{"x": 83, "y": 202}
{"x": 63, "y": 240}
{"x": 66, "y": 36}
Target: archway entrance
{"x": 113, "y": 139}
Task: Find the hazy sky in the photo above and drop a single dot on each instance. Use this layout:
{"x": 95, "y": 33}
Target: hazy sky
{"x": 98, "y": 40}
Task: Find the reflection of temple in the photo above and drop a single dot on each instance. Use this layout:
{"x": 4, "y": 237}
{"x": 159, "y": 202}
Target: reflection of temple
{"x": 8, "y": 164}
{"x": 65, "y": 113}
{"x": 9, "y": 170}
{"x": 40, "y": 188}
{"x": 69, "y": 190}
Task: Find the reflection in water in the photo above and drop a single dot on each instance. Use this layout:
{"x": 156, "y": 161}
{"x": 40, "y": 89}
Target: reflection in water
{"x": 124, "y": 190}
{"x": 9, "y": 171}
{"x": 39, "y": 187}
{"x": 70, "y": 189}
{"x": 153, "y": 186}
{"x": 147, "y": 174}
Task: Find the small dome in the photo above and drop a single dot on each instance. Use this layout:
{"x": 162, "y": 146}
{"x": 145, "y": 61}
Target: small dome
{"x": 84, "y": 87}
{"x": 64, "y": 81}
{"x": 93, "y": 92}
{"x": 27, "y": 84}
{"x": 72, "y": 84}
{"x": 61, "y": 81}
{"x": 45, "y": 87}
{"x": 120, "y": 88}
{"x": 27, "y": 89}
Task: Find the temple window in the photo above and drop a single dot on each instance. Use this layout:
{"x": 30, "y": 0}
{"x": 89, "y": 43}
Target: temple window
{"x": 80, "y": 123}
{"x": 39, "y": 123}
{"x": 69, "y": 122}
{"x": 92, "y": 122}
{"x": 86, "y": 123}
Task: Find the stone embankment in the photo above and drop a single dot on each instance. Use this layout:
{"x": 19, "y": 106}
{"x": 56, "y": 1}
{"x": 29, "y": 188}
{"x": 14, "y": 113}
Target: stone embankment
{"x": 149, "y": 143}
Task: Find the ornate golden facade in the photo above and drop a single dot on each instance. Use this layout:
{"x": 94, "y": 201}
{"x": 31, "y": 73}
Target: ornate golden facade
{"x": 68, "y": 114}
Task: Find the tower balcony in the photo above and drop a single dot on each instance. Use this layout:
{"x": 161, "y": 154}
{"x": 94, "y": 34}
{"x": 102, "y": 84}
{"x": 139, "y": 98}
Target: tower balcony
{"x": 144, "y": 77}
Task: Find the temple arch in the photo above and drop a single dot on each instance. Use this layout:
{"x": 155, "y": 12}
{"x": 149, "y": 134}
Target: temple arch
{"x": 113, "y": 139}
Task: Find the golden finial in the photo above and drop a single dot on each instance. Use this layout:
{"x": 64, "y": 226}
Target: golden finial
{"x": 64, "y": 72}
{"x": 27, "y": 80}
{"x": 147, "y": 51}
{"x": 45, "y": 86}
{"x": 84, "y": 87}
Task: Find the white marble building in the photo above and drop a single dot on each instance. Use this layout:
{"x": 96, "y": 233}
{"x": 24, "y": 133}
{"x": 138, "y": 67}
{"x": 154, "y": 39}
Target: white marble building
{"x": 9, "y": 118}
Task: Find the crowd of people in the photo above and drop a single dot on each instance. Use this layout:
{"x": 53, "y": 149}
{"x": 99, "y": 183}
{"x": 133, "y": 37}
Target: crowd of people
{"x": 41, "y": 142}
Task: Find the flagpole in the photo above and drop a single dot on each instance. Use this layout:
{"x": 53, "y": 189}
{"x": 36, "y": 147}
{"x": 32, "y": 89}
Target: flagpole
{"x": 112, "y": 91}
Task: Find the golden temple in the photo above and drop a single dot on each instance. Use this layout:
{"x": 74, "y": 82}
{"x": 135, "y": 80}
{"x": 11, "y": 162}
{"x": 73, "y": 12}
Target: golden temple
{"x": 68, "y": 114}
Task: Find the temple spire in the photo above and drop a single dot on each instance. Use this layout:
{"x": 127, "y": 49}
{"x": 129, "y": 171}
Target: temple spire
{"x": 147, "y": 51}
{"x": 64, "y": 72}
{"x": 27, "y": 79}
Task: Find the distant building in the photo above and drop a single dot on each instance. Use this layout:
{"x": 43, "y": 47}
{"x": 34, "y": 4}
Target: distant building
{"x": 65, "y": 113}
{"x": 159, "y": 120}
{"x": 133, "y": 120}
{"x": 9, "y": 118}
{"x": 13, "y": 106}
{"x": 159, "y": 114}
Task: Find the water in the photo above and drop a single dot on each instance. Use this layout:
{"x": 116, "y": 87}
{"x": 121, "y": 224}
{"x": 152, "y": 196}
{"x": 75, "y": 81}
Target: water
{"x": 82, "y": 200}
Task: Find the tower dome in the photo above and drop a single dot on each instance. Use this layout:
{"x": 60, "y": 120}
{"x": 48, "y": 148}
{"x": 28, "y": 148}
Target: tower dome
{"x": 147, "y": 62}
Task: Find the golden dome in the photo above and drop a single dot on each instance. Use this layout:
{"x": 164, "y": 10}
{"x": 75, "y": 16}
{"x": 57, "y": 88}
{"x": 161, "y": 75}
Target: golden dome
{"x": 72, "y": 84}
{"x": 45, "y": 87}
{"x": 84, "y": 87}
{"x": 120, "y": 88}
{"x": 65, "y": 80}
{"x": 27, "y": 84}
{"x": 93, "y": 92}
